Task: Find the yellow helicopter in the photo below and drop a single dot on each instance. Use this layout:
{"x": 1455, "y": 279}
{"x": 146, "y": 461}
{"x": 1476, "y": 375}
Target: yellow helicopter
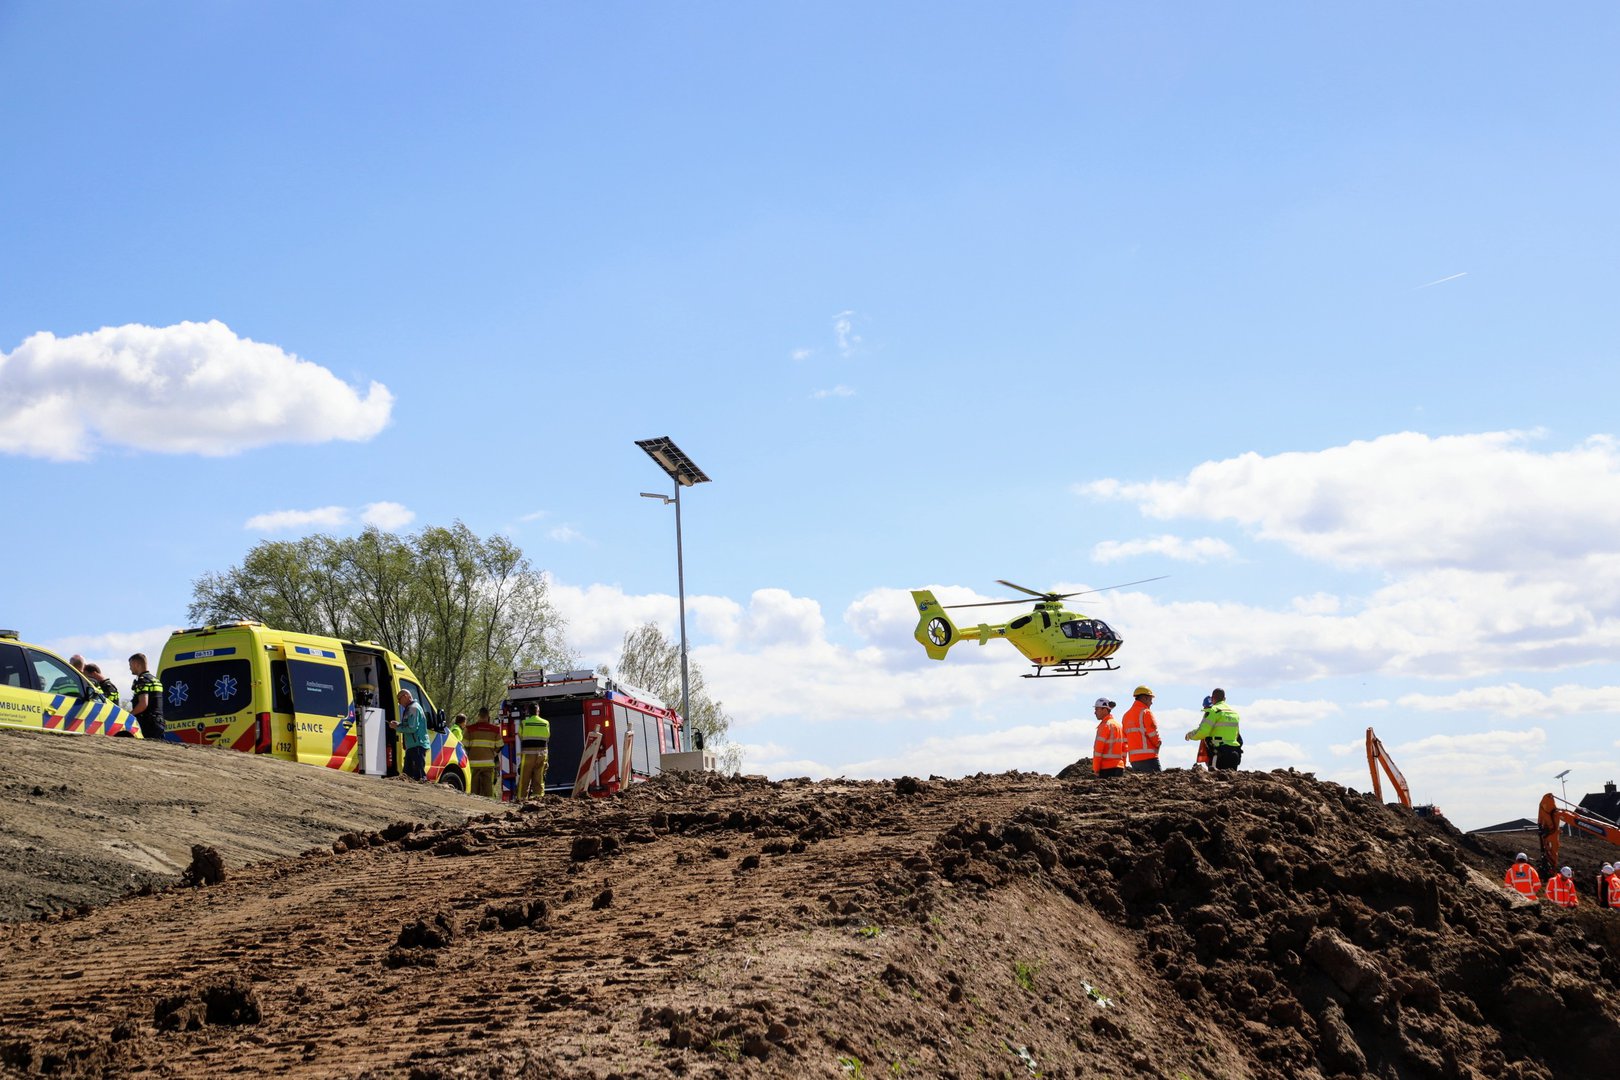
{"x": 1055, "y": 641}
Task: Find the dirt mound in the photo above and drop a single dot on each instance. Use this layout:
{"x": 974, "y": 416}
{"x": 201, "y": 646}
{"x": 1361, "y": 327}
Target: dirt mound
{"x": 1324, "y": 930}
{"x": 91, "y": 819}
{"x": 1171, "y": 925}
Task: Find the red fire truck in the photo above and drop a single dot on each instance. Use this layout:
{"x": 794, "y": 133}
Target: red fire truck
{"x": 634, "y": 730}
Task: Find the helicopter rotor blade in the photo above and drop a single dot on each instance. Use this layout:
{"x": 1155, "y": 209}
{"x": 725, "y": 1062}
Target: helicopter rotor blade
{"x": 1105, "y": 588}
{"x": 1021, "y": 589}
{"x": 989, "y": 603}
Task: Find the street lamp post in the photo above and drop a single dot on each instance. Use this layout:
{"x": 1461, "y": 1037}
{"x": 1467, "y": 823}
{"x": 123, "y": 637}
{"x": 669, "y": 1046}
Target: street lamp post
{"x": 1565, "y": 785}
{"x": 685, "y": 473}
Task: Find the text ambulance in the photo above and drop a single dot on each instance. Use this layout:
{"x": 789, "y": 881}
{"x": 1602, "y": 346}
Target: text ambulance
{"x": 40, "y": 691}
{"x": 300, "y": 697}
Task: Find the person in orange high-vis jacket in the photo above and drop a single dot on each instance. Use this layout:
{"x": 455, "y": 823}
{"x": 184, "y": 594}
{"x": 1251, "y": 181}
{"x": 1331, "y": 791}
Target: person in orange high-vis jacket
{"x": 1614, "y": 888}
{"x": 1561, "y": 888}
{"x": 1522, "y": 876}
{"x": 1141, "y": 733}
{"x": 1108, "y": 754}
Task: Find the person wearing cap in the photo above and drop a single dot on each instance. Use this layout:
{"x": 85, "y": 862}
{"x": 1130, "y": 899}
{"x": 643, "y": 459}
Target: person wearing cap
{"x": 1561, "y": 888}
{"x": 1108, "y": 753}
{"x": 1141, "y": 733}
{"x": 1220, "y": 727}
{"x": 1612, "y": 888}
{"x": 1603, "y": 885}
{"x": 1521, "y": 876}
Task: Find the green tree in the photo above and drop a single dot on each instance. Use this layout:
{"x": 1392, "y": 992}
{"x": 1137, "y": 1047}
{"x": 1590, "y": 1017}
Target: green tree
{"x": 461, "y": 610}
{"x": 650, "y": 661}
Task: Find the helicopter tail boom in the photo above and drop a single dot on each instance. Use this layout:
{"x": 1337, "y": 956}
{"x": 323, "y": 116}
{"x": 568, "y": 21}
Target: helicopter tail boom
{"x": 935, "y": 630}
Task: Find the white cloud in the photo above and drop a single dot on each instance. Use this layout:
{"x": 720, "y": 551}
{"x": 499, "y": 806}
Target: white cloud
{"x": 387, "y": 516}
{"x": 188, "y": 388}
{"x": 1491, "y": 554}
{"x": 1408, "y": 501}
{"x": 111, "y": 650}
{"x": 323, "y": 517}
{"x": 844, "y": 332}
{"x": 535, "y": 516}
{"x": 565, "y": 534}
{"x": 1515, "y": 702}
{"x": 802, "y": 354}
{"x": 1201, "y": 549}
{"x": 837, "y": 391}
{"x": 1272, "y": 714}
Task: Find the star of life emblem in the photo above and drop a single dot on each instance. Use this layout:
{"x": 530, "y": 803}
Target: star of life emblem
{"x": 225, "y": 687}
{"x": 178, "y": 692}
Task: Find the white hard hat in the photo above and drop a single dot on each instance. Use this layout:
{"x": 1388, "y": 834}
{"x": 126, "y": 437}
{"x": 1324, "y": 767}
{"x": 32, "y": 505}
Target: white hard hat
{"x": 1103, "y": 703}
{"x": 1608, "y": 868}
{"x": 1521, "y": 857}
{"x": 1566, "y": 871}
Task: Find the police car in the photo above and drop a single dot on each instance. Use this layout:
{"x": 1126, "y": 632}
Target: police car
{"x": 40, "y": 691}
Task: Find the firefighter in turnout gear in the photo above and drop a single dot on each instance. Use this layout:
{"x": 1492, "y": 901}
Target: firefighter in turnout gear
{"x": 534, "y": 732}
{"x": 483, "y": 742}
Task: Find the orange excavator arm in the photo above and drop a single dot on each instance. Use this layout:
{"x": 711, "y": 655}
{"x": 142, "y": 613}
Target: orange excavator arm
{"x": 1376, "y": 756}
{"x": 1551, "y": 815}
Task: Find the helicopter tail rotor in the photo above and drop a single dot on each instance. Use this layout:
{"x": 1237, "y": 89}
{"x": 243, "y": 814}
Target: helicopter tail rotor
{"x": 935, "y": 630}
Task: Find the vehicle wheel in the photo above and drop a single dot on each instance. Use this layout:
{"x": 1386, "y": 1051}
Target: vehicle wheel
{"x": 939, "y": 631}
{"x": 451, "y": 777}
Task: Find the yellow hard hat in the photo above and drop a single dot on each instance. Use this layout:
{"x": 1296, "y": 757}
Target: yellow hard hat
{"x": 1140, "y": 690}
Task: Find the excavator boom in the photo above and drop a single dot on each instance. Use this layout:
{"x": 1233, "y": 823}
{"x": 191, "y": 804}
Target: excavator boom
{"x": 1551, "y": 815}
{"x": 1376, "y": 756}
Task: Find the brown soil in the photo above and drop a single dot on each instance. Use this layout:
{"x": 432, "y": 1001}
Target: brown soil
{"x": 87, "y": 820}
{"x": 1172, "y": 925}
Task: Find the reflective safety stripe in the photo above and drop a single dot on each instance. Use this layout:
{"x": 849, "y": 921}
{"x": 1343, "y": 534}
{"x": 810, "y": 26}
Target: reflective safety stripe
{"x": 1109, "y": 750}
{"x": 1141, "y": 733}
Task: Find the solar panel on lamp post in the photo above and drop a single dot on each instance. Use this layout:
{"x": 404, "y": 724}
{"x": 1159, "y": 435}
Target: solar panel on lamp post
{"x": 685, "y": 473}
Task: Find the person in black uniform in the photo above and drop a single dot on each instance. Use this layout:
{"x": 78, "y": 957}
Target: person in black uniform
{"x": 108, "y": 688}
{"x": 146, "y": 698}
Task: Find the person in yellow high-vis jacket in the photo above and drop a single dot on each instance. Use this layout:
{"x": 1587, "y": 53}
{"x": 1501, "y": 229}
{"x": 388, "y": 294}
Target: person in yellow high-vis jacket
{"x": 534, "y": 732}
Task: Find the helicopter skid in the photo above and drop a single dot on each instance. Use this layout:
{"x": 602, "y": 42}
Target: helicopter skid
{"x": 1074, "y": 668}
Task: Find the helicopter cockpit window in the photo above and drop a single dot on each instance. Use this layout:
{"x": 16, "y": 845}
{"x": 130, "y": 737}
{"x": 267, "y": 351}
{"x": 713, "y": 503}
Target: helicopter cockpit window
{"x": 1079, "y": 628}
{"x": 1104, "y": 632}
{"x": 1020, "y": 622}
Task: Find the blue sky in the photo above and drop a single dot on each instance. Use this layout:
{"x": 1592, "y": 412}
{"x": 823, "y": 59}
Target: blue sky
{"x": 1310, "y": 309}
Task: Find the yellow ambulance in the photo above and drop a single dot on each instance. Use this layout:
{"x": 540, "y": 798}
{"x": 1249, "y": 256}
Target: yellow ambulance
{"x": 40, "y": 691}
{"x": 300, "y": 697}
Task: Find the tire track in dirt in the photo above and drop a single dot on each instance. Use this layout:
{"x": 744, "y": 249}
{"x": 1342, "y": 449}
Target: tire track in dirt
{"x": 319, "y": 939}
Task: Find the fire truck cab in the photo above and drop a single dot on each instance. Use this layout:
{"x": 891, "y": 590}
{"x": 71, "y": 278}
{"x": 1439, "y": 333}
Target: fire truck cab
{"x": 633, "y": 731}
